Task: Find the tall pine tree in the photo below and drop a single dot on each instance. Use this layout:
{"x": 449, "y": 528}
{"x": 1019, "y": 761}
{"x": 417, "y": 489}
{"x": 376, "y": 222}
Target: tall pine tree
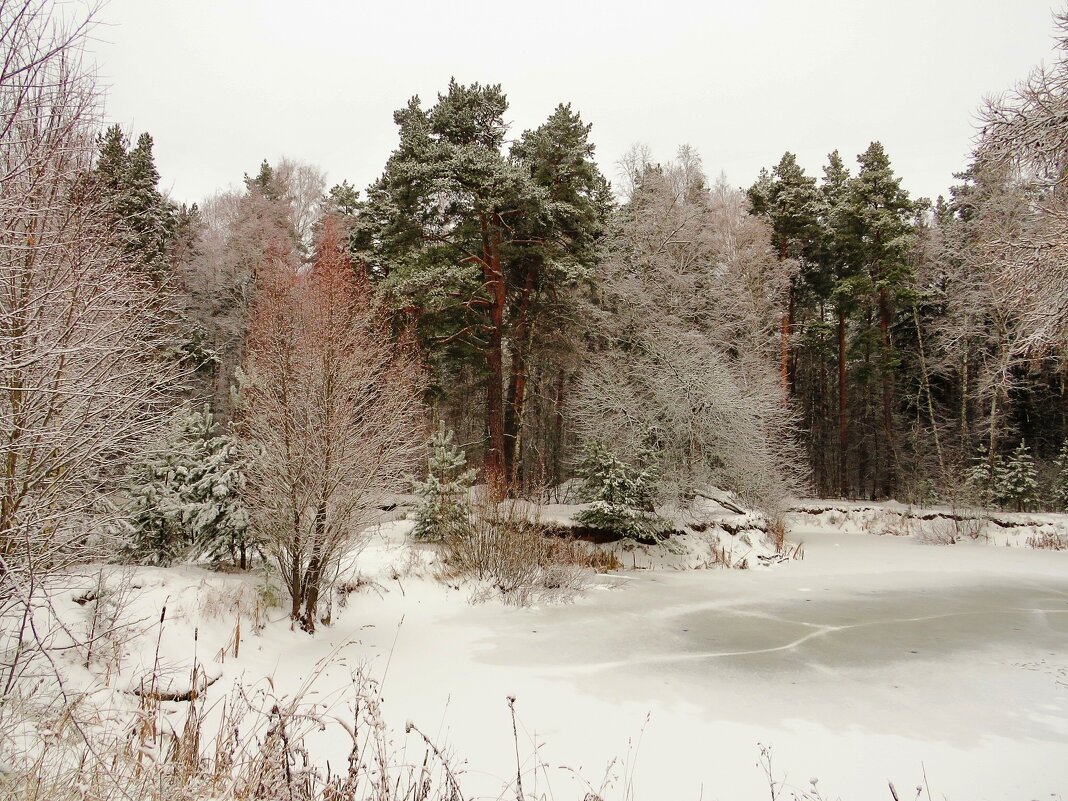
{"x": 477, "y": 243}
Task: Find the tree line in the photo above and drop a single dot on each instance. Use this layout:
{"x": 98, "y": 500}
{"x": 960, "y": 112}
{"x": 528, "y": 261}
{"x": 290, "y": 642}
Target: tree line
{"x": 910, "y": 339}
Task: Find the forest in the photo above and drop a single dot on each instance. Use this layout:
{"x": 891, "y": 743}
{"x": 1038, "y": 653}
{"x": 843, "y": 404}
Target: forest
{"x": 801, "y": 335}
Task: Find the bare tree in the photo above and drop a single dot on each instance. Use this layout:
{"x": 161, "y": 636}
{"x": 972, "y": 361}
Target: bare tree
{"x": 1004, "y": 260}
{"x": 687, "y": 319}
{"x": 84, "y": 381}
{"x": 241, "y": 233}
{"x": 331, "y": 412}
{"x": 303, "y": 190}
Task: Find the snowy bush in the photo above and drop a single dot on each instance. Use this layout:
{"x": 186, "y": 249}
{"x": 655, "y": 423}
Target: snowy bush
{"x": 184, "y": 498}
{"x": 444, "y": 506}
{"x": 621, "y": 497}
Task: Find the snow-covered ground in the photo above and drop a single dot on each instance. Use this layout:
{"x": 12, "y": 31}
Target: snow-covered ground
{"x": 872, "y": 659}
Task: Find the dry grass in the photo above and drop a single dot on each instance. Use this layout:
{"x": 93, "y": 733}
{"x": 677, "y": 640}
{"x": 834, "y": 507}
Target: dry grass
{"x": 508, "y": 549}
{"x": 1049, "y": 541}
{"x": 256, "y": 747}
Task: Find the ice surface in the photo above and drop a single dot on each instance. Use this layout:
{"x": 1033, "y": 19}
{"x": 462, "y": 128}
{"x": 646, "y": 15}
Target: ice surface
{"x": 872, "y": 659}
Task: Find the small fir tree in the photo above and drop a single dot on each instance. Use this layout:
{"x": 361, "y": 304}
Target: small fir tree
{"x": 185, "y": 499}
{"x": 981, "y": 476}
{"x": 1016, "y": 482}
{"x": 621, "y": 497}
{"x": 444, "y": 507}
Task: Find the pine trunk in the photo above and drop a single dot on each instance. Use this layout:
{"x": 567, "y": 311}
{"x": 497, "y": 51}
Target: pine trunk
{"x": 494, "y": 275}
{"x": 843, "y": 403}
{"x": 517, "y": 383}
{"x": 889, "y": 474}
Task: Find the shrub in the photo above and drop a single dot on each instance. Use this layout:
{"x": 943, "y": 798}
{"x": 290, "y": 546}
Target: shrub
{"x": 506, "y": 546}
{"x": 1059, "y": 493}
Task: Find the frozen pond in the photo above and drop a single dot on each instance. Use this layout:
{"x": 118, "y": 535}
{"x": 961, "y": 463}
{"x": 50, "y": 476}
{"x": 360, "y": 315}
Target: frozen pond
{"x": 874, "y": 659}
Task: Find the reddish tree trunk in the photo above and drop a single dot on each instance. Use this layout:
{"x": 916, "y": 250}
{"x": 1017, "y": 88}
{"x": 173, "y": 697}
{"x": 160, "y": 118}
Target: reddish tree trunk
{"x": 889, "y": 471}
{"x": 843, "y": 403}
{"x": 494, "y": 275}
{"x": 517, "y": 382}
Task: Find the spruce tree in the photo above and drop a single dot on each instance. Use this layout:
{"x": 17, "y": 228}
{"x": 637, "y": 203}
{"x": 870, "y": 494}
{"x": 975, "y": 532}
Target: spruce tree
{"x": 144, "y": 221}
{"x": 147, "y": 218}
{"x": 110, "y": 166}
{"x": 621, "y": 497}
{"x": 1016, "y": 482}
{"x": 444, "y": 507}
{"x": 185, "y": 499}
{"x": 981, "y": 476}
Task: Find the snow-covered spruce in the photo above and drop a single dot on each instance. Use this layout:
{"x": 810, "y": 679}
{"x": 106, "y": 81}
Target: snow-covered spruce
{"x": 444, "y": 505}
{"x": 185, "y": 496}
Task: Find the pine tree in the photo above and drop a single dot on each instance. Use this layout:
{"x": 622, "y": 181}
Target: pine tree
{"x": 621, "y": 497}
{"x": 1016, "y": 482}
{"x": 185, "y": 499}
{"x": 879, "y": 213}
{"x": 444, "y": 508}
{"x": 478, "y": 241}
{"x": 790, "y": 201}
{"x": 837, "y": 282}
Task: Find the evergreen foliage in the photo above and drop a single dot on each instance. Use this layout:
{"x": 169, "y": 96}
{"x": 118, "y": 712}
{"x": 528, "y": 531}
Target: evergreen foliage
{"x": 481, "y": 246}
{"x": 444, "y": 507}
{"x": 981, "y": 476}
{"x": 621, "y": 496}
{"x": 147, "y": 225}
{"x": 185, "y": 499}
{"x": 1016, "y": 481}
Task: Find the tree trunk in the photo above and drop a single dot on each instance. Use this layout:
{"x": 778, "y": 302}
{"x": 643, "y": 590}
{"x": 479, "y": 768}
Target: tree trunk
{"x": 823, "y": 410}
{"x": 889, "y": 474}
{"x": 558, "y": 426}
{"x": 517, "y": 383}
{"x": 784, "y": 347}
{"x": 314, "y": 573}
{"x": 843, "y": 403}
{"x": 964, "y": 400}
{"x": 491, "y": 265}
{"x": 925, "y": 377}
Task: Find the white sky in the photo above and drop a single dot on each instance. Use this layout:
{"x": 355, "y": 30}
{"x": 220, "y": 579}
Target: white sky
{"x": 222, "y": 84}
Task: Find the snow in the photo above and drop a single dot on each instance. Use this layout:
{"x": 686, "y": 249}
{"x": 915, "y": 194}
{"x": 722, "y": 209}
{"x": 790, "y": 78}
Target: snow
{"x": 872, "y": 659}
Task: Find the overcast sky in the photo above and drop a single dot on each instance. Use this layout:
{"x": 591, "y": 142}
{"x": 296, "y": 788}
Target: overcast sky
{"x": 222, "y": 84}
